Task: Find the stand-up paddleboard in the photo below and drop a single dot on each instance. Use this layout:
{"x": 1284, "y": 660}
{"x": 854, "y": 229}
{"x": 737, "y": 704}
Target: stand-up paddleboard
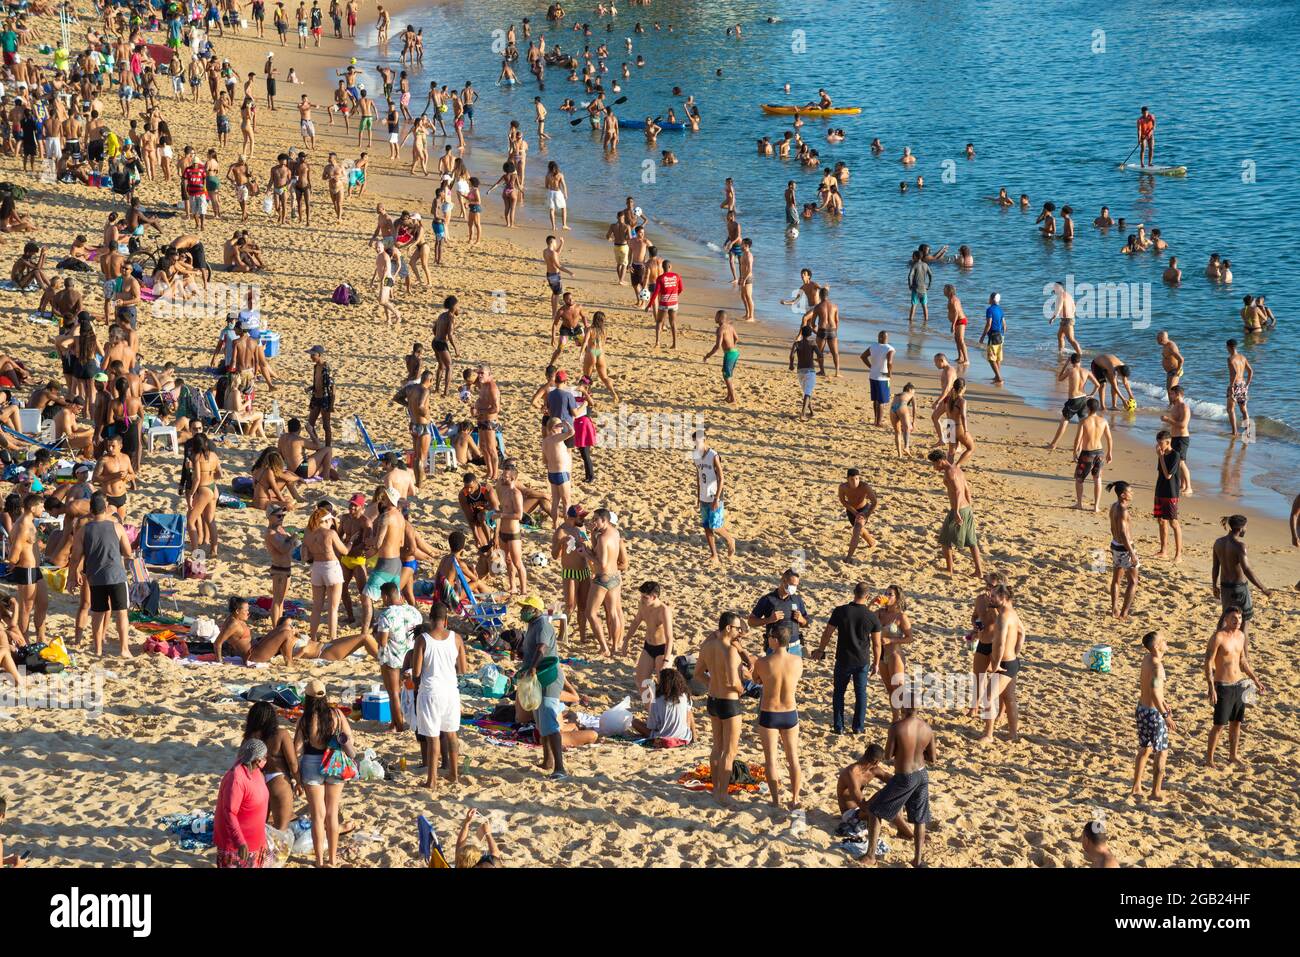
{"x": 1155, "y": 170}
{"x": 774, "y": 109}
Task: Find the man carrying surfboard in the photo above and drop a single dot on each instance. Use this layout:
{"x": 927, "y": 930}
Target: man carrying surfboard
{"x": 1146, "y": 126}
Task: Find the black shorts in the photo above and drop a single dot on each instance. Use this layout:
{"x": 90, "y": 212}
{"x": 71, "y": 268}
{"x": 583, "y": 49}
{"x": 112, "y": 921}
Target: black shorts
{"x": 723, "y": 708}
{"x": 1089, "y": 464}
{"x": 117, "y": 501}
{"x": 23, "y": 576}
{"x": 109, "y": 598}
{"x": 321, "y": 404}
{"x": 778, "y": 720}
{"x": 198, "y": 256}
{"x": 1180, "y": 444}
{"x": 1074, "y": 408}
{"x": 301, "y": 470}
{"x": 638, "y": 274}
{"x": 1230, "y": 705}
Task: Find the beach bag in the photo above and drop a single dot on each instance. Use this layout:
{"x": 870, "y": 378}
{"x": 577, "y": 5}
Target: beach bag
{"x": 494, "y": 682}
{"x": 302, "y": 842}
{"x": 336, "y": 764}
{"x": 345, "y": 295}
{"x": 617, "y": 720}
{"x": 242, "y": 485}
{"x": 528, "y": 692}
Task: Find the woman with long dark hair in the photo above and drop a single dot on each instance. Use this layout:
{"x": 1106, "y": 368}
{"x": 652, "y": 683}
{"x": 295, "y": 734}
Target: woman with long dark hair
{"x": 321, "y": 728}
{"x": 281, "y": 768}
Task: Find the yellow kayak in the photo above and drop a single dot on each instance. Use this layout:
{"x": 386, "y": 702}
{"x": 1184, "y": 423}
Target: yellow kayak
{"x": 776, "y": 110}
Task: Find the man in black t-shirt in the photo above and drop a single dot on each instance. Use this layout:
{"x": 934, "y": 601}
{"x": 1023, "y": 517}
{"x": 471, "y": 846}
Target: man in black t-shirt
{"x": 1169, "y": 465}
{"x": 857, "y": 655}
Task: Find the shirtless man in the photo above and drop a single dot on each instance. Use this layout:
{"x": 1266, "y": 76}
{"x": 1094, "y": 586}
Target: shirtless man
{"x": 1111, "y": 371}
{"x": 1093, "y": 451}
{"x": 727, "y": 341}
{"x": 825, "y": 316}
{"x": 573, "y": 565}
{"x": 336, "y": 183}
{"x": 851, "y": 784}
{"x": 1240, "y": 374}
{"x": 80, "y": 437}
{"x": 509, "y": 527}
{"x": 559, "y": 464}
{"x": 805, "y": 297}
{"x": 910, "y": 746}
{"x": 487, "y": 406}
{"x": 385, "y": 546}
{"x": 417, "y": 407}
{"x": 657, "y": 650}
{"x": 114, "y": 475}
{"x": 947, "y": 376}
{"x": 779, "y": 672}
{"x": 745, "y": 278}
{"x": 1123, "y": 553}
{"x": 1228, "y": 677}
{"x": 958, "y": 529}
{"x": 302, "y": 456}
{"x": 1230, "y": 573}
{"x": 551, "y": 261}
{"x": 354, "y": 528}
{"x": 1007, "y": 637}
{"x": 1178, "y": 419}
{"x": 1154, "y": 721}
{"x": 1172, "y": 274}
{"x": 1171, "y": 359}
{"x": 25, "y": 568}
{"x": 720, "y": 661}
{"x": 248, "y": 360}
{"x": 618, "y": 234}
{"x": 568, "y": 324}
{"x": 1077, "y": 380}
{"x": 1063, "y": 315}
{"x": 639, "y": 251}
{"x": 444, "y": 343}
{"x": 859, "y": 501}
{"x": 607, "y": 557}
{"x": 280, "y": 543}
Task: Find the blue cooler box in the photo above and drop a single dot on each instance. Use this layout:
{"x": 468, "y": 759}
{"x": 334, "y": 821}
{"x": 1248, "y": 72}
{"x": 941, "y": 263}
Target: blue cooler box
{"x": 375, "y": 707}
{"x": 270, "y": 343}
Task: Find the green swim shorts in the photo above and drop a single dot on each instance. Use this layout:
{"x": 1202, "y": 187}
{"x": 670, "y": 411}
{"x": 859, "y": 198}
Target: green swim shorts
{"x": 729, "y": 360}
{"x": 959, "y": 532}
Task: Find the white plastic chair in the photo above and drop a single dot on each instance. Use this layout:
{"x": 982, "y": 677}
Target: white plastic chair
{"x": 167, "y": 432}
{"x": 273, "y": 419}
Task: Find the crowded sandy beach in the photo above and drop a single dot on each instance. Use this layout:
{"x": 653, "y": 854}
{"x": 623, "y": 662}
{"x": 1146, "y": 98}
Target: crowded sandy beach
{"x": 374, "y": 499}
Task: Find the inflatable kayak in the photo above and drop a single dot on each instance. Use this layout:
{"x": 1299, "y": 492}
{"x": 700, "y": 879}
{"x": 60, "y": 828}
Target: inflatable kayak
{"x": 1155, "y": 170}
{"x": 640, "y": 125}
{"x": 777, "y": 110}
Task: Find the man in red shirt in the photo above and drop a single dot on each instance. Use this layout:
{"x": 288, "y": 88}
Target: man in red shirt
{"x": 196, "y": 190}
{"x": 1146, "y": 137}
{"x": 667, "y": 289}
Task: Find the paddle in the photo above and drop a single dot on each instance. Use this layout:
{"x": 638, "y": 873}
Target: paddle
{"x": 1130, "y": 156}
{"x": 619, "y": 102}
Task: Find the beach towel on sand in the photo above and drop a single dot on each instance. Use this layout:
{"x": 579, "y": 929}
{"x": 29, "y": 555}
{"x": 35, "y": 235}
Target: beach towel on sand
{"x": 744, "y": 777}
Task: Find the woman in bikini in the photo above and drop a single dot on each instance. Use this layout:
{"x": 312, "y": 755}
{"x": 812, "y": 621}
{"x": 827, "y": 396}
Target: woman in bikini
{"x": 510, "y": 192}
{"x": 895, "y": 632}
{"x": 273, "y": 484}
{"x": 281, "y": 768}
{"x": 593, "y": 353}
{"x": 322, "y": 546}
{"x": 474, "y": 212}
{"x": 902, "y": 418}
{"x": 955, "y": 409}
{"x": 201, "y": 519}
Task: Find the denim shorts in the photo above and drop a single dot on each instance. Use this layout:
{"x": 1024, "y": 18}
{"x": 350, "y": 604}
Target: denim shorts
{"x": 309, "y": 770}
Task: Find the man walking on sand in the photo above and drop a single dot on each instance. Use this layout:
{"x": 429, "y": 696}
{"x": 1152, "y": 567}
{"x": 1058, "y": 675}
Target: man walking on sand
{"x": 1093, "y": 450}
{"x": 879, "y": 360}
{"x": 728, "y": 343}
{"x": 713, "y": 514}
{"x": 958, "y": 529}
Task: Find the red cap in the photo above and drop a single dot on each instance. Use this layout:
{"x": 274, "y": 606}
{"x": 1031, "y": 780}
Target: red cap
{"x": 561, "y": 376}
{"x": 357, "y": 499}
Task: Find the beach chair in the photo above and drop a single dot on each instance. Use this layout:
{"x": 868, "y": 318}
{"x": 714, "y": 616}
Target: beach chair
{"x": 218, "y": 417}
{"x": 440, "y": 449}
{"x": 430, "y": 847}
{"x": 162, "y": 539}
{"x": 377, "y": 451}
{"x": 143, "y": 589}
{"x": 488, "y": 616}
{"x": 49, "y": 446}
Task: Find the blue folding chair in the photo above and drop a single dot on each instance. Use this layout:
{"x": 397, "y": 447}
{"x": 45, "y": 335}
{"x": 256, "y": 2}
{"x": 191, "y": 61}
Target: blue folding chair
{"x": 501, "y": 443}
{"x": 219, "y": 417}
{"x": 378, "y": 451}
{"x": 488, "y": 615}
{"x": 60, "y": 446}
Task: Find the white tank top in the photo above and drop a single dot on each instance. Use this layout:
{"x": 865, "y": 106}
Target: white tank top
{"x": 438, "y": 672}
{"x": 706, "y": 475}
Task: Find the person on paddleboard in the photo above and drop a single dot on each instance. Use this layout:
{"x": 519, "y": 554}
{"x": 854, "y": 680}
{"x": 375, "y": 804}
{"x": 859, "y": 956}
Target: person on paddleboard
{"x": 1146, "y": 125}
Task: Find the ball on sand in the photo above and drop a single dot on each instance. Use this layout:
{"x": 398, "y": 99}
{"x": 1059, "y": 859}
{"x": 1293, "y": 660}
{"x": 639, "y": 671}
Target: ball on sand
{"x": 644, "y": 295}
